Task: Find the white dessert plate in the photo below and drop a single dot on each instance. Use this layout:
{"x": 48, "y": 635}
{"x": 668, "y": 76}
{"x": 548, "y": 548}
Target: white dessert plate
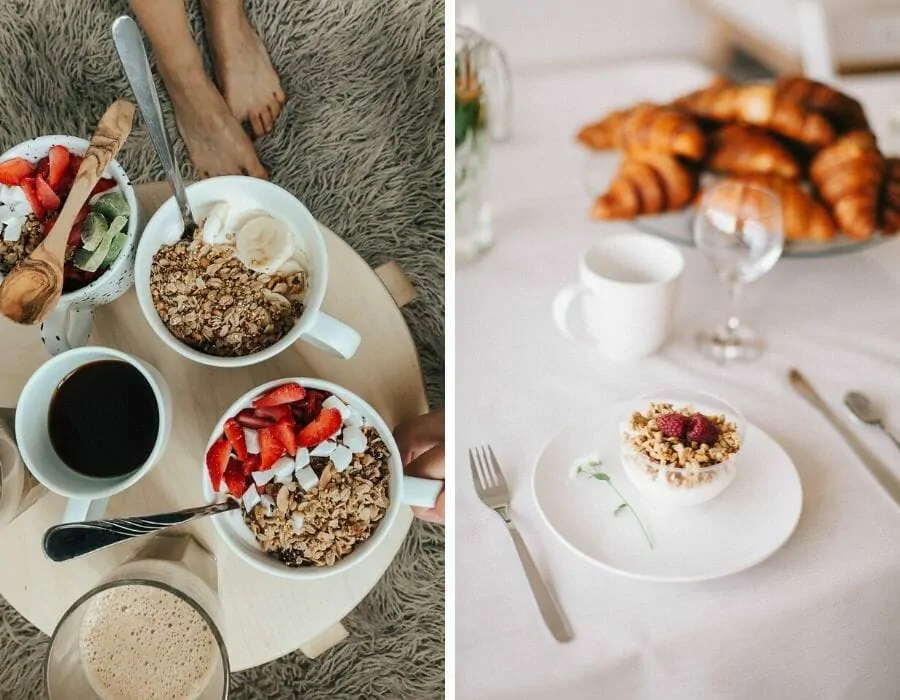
{"x": 738, "y": 529}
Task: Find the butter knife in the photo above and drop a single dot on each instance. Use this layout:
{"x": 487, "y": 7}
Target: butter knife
{"x": 882, "y": 474}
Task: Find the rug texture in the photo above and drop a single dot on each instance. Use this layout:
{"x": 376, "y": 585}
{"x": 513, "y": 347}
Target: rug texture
{"x": 361, "y": 143}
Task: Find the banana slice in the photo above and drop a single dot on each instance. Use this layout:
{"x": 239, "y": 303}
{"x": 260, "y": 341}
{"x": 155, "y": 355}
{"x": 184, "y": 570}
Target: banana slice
{"x": 264, "y": 244}
{"x": 212, "y": 231}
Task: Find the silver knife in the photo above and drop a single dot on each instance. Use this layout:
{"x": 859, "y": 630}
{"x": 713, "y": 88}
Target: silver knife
{"x": 882, "y": 474}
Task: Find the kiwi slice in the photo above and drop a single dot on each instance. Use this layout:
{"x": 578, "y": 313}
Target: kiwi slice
{"x": 90, "y": 261}
{"x": 115, "y": 247}
{"x": 93, "y": 229}
{"x": 112, "y": 205}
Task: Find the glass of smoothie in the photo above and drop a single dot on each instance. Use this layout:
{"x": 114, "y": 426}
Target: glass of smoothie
{"x": 149, "y": 630}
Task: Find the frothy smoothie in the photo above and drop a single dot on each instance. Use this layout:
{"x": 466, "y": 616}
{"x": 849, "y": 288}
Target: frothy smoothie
{"x": 143, "y": 643}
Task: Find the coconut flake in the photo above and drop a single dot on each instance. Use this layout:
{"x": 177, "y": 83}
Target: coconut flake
{"x": 355, "y": 440}
{"x": 334, "y": 402}
{"x": 341, "y": 458}
{"x": 268, "y": 503}
{"x": 264, "y": 477}
{"x": 12, "y": 228}
{"x": 302, "y": 458}
{"x": 354, "y": 420}
{"x": 297, "y": 523}
{"x": 284, "y": 470}
{"x": 251, "y": 437}
{"x": 250, "y": 498}
{"x": 307, "y": 478}
{"x": 324, "y": 449}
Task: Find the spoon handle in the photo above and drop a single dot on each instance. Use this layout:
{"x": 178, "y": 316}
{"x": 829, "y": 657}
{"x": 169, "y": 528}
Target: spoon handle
{"x": 890, "y": 434}
{"x": 130, "y": 47}
{"x": 71, "y": 540}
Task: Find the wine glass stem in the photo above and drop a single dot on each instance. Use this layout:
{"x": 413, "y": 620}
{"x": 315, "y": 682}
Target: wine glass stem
{"x": 734, "y": 294}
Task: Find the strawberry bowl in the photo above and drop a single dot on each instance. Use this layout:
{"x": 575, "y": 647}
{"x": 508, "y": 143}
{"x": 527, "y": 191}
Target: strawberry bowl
{"x": 317, "y": 473}
{"x": 35, "y": 178}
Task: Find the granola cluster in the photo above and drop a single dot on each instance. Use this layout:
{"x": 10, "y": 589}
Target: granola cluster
{"x": 681, "y": 461}
{"x": 210, "y": 301}
{"x": 13, "y": 252}
{"x": 321, "y": 526}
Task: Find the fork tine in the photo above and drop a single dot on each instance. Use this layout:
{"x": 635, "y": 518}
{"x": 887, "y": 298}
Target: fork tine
{"x": 498, "y": 473}
{"x": 476, "y": 477}
{"x": 486, "y": 469}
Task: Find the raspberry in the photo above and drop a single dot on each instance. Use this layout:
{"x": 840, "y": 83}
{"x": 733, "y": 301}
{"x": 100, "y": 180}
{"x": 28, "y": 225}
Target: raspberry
{"x": 672, "y": 425}
{"x": 701, "y": 429}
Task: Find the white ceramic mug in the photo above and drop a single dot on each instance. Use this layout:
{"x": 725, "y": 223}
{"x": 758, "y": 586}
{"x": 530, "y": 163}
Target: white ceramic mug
{"x": 404, "y": 491}
{"x": 87, "y": 495}
{"x": 69, "y": 324}
{"x": 626, "y": 296}
{"x": 250, "y": 196}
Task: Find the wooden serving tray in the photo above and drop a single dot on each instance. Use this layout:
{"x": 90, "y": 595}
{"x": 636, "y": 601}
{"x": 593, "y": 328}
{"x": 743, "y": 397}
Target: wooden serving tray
{"x": 265, "y": 617}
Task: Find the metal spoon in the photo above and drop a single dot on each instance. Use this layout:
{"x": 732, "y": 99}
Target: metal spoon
{"x": 72, "y": 540}
{"x": 130, "y": 47}
{"x": 865, "y": 411}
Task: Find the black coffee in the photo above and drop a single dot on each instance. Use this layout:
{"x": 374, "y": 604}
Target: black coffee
{"x": 104, "y": 419}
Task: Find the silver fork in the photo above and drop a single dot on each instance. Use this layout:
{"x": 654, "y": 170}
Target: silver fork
{"x": 494, "y": 493}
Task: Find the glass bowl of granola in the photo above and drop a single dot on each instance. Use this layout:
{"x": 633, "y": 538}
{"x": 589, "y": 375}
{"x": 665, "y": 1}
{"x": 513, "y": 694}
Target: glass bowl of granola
{"x": 317, "y": 474}
{"x": 246, "y": 285}
{"x": 681, "y": 448}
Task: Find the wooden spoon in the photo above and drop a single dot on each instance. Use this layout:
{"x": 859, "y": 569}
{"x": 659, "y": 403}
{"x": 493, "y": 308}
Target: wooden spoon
{"x": 32, "y": 288}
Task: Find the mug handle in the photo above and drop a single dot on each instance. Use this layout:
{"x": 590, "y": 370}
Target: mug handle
{"x": 421, "y": 493}
{"x": 332, "y": 336}
{"x": 67, "y": 327}
{"x": 78, "y": 509}
{"x": 562, "y": 306}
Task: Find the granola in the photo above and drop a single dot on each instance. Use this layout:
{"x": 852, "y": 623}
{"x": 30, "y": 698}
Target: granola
{"x": 210, "y": 301}
{"x": 321, "y": 526}
{"x": 683, "y": 461}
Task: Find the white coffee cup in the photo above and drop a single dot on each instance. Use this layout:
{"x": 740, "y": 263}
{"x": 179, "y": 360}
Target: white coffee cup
{"x": 626, "y": 293}
{"x": 87, "y": 495}
{"x": 69, "y": 324}
{"x": 248, "y": 196}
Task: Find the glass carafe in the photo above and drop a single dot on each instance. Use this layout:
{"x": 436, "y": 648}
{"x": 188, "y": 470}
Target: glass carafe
{"x": 164, "y": 598}
{"x": 483, "y": 108}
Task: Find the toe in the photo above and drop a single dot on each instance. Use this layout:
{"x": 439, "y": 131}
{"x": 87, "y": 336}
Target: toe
{"x": 279, "y": 96}
{"x": 274, "y": 110}
{"x": 257, "y": 124}
{"x": 266, "y": 118}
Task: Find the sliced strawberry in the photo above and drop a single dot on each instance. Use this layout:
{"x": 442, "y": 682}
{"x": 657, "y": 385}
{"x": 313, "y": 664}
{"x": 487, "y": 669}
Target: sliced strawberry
{"x": 249, "y": 419}
{"x": 270, "y": 448}
{"x": 286, "y": 393}
{"x": 103, "y": 184}
{"x": 217, "y": 460}
{"x": 235, "y": 480}
{"x": 251, "y": 464}
{"x": 28, "y": 187}
{"x": 49, "y": 199}
{"x": 276, "y": 413}
{"x": 326, "y": 424}
{"x": 82, "y": 213}
{"x": 306, "y": 411}
{"x": 58, "y": 157}
{"x": 284, "y": 432}
{"x": 13, "y": 170}
{"x": 42, "y": 167}
{"x": 235, "y": 434}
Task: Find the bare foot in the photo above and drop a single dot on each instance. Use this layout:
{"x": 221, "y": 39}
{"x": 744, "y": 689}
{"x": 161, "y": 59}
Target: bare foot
{"x": 243, "y": 70}
{"x": 215, "y": 140}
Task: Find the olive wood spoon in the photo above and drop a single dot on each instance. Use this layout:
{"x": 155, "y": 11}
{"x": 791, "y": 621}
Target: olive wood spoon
{"x": 32, "y": 288}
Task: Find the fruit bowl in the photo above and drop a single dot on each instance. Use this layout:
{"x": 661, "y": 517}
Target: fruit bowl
{"x": 683, "y": 460}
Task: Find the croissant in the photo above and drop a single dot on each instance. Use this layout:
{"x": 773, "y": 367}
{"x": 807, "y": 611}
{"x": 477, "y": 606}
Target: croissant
{"x": 651, "y": 129}
{"x": 844, "y": 113}
{"x": 803, "y": 216}
{"x": 759, "y": 105}
{"x": 648, "y": 185}
{"x": 849, "y": 176}
{"x": 601, "y": 135}
{"x": 737, "y": 149}
{"x": 890, "y": 211}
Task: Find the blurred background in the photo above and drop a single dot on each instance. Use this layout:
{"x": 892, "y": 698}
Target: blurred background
{"x": 745, "y": 39}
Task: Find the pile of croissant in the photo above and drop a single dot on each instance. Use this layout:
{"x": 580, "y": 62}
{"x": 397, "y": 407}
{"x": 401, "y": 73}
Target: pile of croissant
{"x": 778, "y": 135}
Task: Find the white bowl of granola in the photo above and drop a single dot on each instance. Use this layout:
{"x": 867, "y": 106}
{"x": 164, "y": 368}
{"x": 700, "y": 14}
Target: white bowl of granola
{"x": 317, "y": 473}
{"x": 249, "y": 284}
{"x": 681, "y": 448}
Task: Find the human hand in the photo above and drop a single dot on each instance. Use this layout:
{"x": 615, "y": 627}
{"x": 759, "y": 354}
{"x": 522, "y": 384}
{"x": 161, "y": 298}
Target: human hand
{"x": 421, "y": 443}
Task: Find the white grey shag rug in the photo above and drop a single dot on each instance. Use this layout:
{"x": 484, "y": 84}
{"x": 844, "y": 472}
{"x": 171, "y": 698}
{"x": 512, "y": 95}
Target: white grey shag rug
{"x": 361, "y": 143}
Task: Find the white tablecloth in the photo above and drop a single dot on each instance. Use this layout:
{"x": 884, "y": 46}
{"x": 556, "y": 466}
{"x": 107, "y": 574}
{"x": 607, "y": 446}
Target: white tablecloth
{"x": 821, "y": 618}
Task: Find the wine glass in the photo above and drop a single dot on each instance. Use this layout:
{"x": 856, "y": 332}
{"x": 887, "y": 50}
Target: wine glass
{"x": 739, "y": 229}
